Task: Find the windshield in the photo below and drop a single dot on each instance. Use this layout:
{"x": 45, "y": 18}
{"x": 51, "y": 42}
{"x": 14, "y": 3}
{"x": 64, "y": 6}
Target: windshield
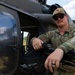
{"x": 68, "y": 5}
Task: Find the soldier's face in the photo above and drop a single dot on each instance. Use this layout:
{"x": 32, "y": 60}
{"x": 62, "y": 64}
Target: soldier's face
{"x": 61, "y": 20}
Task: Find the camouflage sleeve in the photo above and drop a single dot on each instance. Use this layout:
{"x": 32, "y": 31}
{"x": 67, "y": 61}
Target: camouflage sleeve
{"x": 46, "y": 36}
{"x": 68, "y": 45}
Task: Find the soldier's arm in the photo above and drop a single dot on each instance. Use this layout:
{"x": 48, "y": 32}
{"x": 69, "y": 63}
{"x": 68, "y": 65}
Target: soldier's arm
{"x": 68, "y": 45}
{"x": 46, "y": 36}
{"x": 37, "y": 42}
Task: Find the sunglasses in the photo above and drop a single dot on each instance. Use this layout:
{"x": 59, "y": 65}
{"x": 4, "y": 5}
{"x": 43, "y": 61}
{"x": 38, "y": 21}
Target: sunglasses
{"x": 61, "y": 16}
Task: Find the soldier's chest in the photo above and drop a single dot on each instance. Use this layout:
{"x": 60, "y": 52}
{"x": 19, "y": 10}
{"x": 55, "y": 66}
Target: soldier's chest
{"x": 58, "y": 39}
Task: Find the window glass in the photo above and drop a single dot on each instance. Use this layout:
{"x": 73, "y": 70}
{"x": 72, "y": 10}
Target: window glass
{"x": 24, "y": 38}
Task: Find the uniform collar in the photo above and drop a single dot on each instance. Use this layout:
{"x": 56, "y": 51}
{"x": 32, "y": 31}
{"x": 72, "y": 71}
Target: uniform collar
{"x": 57, "y": 31}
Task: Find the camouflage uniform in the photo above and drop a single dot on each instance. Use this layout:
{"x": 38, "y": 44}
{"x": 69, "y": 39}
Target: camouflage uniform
{"x": 65, "y": 42}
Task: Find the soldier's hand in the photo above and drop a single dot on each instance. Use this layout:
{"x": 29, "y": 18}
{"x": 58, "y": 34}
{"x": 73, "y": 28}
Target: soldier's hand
{"x": 53, "y": 60}
{"x": 37, "y": 43}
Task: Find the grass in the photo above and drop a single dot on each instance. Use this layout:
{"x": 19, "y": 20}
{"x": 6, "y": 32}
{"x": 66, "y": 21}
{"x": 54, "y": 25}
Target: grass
{"x": 24, "y": 42}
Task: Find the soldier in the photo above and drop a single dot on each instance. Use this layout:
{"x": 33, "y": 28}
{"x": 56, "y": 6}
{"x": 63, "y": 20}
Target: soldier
{"x": 62, "y": 39}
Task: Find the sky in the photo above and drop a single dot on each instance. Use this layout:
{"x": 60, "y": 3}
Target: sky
{"x": 68, "y": 5}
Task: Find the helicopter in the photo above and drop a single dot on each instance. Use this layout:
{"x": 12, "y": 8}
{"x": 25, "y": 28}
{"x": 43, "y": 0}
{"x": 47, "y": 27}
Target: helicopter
{"x": 17, "y": 17}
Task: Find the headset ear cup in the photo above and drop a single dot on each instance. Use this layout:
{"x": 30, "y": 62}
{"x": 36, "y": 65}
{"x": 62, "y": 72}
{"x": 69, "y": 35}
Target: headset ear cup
{"x": 67, "y": 66}
{"x": 68, "y": 62}
{"x": 70, "y": 56}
